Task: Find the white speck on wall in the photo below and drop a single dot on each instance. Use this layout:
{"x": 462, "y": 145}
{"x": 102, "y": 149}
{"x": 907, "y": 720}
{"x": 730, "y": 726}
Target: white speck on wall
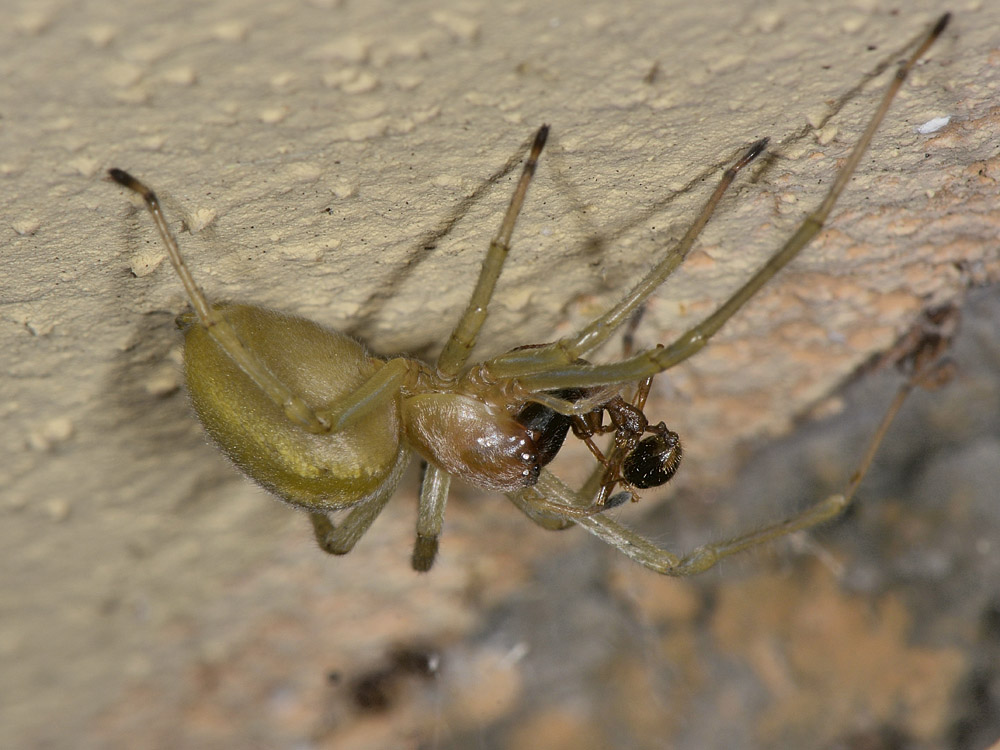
{"x": 933, "y": 125}
{"x": 201, "y": 218}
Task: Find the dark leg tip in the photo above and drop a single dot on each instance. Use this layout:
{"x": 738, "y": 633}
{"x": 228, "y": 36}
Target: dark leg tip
{"x": 424, "y": 552}
{"x": 124, "y": 179}
{"x": 758, "y": 148}
{"x": 941, "y": 24}
{"x": 120, "y": 176}
{"x": 540, "y": 137}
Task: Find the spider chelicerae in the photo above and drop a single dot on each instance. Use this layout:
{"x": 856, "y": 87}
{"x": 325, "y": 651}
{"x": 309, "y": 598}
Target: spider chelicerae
{"x": 310, "y": 415}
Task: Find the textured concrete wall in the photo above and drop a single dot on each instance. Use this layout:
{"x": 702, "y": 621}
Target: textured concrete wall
{"x": 308, "y": 154}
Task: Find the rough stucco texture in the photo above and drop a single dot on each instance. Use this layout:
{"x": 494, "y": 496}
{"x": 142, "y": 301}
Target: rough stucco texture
{"x": 310, "y": 155}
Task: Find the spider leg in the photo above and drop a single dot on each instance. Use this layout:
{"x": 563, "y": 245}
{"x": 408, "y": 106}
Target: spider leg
{"x": 554, "y": 511}
{"x": 435, "y": 483}
{"x": 382, "y": 386}
{"x": 430, "y": 517}
{"x": 550, "y": 490}
{"x": 339, "y": 540}
{"x": 527, "y": 503}
{"x": 548, "y": 368}
{"x": 463, "y": 338}
{"x": 215, "y": 323}
{"x": 598, "y": 331}
{"x": 569, "y": 349}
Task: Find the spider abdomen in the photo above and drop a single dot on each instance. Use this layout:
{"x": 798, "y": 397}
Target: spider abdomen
{"x": 316, "y": 471}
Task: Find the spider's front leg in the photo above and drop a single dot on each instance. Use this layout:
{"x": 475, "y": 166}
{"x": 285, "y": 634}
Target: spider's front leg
{"x": 929, "y": 371}
{"x": 556, "y": 365}
{"x": 436, "y": 482}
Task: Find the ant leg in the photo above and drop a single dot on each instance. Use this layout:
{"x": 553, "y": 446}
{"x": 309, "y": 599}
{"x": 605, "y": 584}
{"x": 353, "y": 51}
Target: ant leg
{"x": 531, "y": 377}
{"x": 929, "y": 374}
{"x": 627, "y": 439}
{"x": 463, "y": 338}
{"x": 603, "y": 479}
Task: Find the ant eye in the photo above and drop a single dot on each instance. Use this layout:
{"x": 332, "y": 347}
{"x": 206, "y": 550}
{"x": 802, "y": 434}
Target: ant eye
{"x": 654, "y": 460}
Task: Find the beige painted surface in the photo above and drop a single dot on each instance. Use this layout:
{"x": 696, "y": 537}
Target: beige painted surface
{"x": 308, "y": 153}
